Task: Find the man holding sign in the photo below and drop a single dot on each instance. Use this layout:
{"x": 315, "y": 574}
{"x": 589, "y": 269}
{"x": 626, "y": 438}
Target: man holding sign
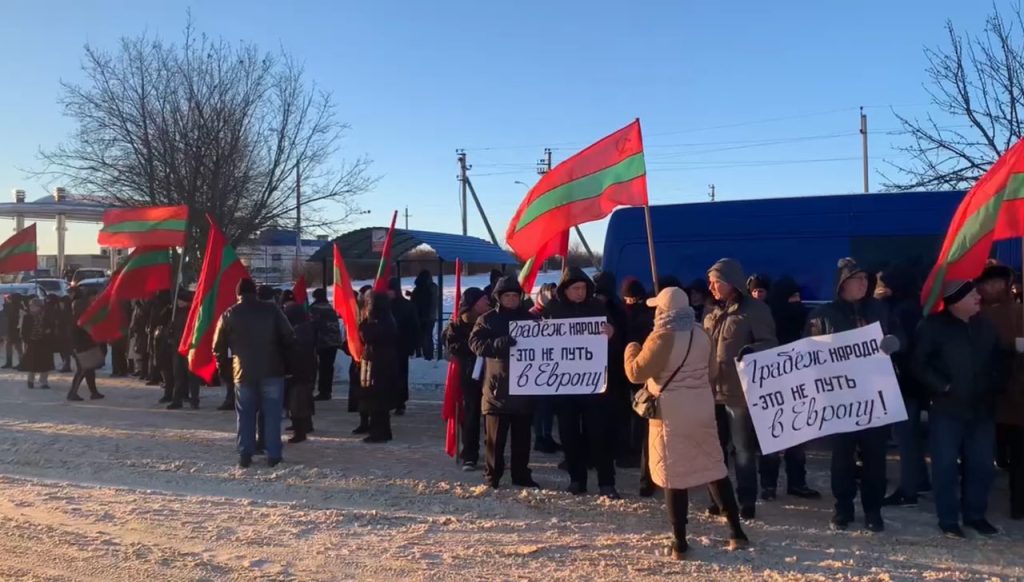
{"x": 585, "y": 416}
{"x": 851, "y": 310}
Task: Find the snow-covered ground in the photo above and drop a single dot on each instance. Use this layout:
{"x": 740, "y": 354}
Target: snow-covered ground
{"x": 121, "y": 489}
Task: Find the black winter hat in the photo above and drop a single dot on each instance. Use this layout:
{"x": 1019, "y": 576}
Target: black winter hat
{"x": 319, "y": 294}
{"x": 574, "y": 275}
{"x": 470, "y": 297}
{"x": 507, "y": 285}
{"x": 633, "y": 289}
{"x": 245, "y": 286}
{"x": 266, "y": 293}
{"x": 996, "y": 272}
{"x": 757, "y": 281}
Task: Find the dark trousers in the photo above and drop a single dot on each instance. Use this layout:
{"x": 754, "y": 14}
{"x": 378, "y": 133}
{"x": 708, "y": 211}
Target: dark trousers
{"x": 584, "y": 423}
{"x": 325, "y": 371}
{"x": 796, "y": 468}
{"x": 677, "y": 502}
{"x": 471, "y": 424}
{"x": 426, "y": 347}
{"x": 871, "y": 443}
{"x": 119, "y": 357}
{"x": 380, "y": 425}
{"x": 724, "y": 434}
{"x": 186, "y": 384}
{"x": 967, "y": 447}
{"x": 87, "y": 376}
{"x": 403, "y": 380}
{"x": 11, "y": 346}
{"x": 744, "y": 441}
{"x": 645, "y": 456}
{"x": 544, "y": 418}
{"x": 1015, "y": 460}
{"x": 497, "y": 428}
{"x": 913, "y": 470}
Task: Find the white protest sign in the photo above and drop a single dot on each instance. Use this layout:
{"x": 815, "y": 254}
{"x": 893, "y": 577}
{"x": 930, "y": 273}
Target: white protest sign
{"x": 558, "y": 356}
{"x": 820, "y": 386}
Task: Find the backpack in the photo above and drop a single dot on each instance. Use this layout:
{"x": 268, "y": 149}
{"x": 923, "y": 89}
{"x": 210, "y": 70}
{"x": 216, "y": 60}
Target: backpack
{"x": 328, "y": 326}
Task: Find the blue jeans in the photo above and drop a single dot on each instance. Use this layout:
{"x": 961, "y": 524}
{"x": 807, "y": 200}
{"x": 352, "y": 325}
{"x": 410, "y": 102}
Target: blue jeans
{"x": 250, "y": 398}
{"x": 913, "y": 470}
{"x": 974, "y": 441}
{"x": 744, "y": 441}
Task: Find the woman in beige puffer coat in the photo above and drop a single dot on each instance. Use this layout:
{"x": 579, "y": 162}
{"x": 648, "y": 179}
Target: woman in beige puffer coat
{"x": 674, "y": 365}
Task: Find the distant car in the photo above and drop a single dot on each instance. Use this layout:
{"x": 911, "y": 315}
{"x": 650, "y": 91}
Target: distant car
{"x": 58, "y": 287}
{"x": 87, "y": 274}
{"x": 24, "y": 289}
{"x": 95, "y": 286}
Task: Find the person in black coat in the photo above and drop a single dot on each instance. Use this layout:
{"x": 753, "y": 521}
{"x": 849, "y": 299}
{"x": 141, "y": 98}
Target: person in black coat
{"x": 65, "y": 326}
{"x": 424, "y": 297}
{"x": 327, "y": 327}
{"x": 186, "y": 384}
{"x": 474, "y": 304}
{"x": 37, "y": 336}
{"x": 12, "y": 314}
{"x": 408, "y": 327}
{"x": 854, "y": 308}
{"x": 380, "y": 371}
{"x": 639, "y": 325}
{"x": 790, "y": 317}
{"x": 363, "y": 299}
{"x": 82, "y": 342}
{"x": 302, "y": 367}
{"x": 503, "y": 413}
{"x": 619, "y": 387}
{"x": 140, "y": 339}
{"x": 586, "y": 421}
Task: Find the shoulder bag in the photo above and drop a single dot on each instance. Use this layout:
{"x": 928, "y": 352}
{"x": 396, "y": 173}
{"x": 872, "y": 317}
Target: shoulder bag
{"x": 645, "y": 404}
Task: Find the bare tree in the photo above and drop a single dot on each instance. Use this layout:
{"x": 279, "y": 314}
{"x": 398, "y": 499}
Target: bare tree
{"x": 977, "y": 84}
{"x": 222, "y": 128}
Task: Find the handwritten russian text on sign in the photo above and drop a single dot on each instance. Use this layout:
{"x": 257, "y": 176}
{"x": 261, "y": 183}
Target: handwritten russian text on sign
{"x": 820, "y": 386}
{"x": 558, "y": 357}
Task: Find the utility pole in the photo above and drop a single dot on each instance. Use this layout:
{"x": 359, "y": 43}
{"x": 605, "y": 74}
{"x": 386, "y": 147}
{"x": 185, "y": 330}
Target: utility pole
{"x": 711, "y": 192}
{"x": 298, "y": 216}
{"x": 864, "y": 143}
{"x": 543, "y": 167}
{"x": 463, "y": 168}
{"x": 406, "y": 218}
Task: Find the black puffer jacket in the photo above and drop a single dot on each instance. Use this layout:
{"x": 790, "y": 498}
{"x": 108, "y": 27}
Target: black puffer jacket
{"x": 904, "y": 309}
{"x": 840, "y": 315}
{"x": 256, "y": 336}
{"x": 404, "y": 314}
{"x": 490, "y": 339}
{"x": 790, "y": 318}
{"x": 960, "y": 365}
{"x": 326, "y": 325}
{"x": 424, "y": 298}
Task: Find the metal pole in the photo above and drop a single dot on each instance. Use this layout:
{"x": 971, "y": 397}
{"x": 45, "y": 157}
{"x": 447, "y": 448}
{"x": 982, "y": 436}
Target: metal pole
{"x": 864, "y": 143}
{"x": 440, "y": 308}
{"x": 177, "y": 283}
{"x": 650, "y": 248}
{"x": 463, "y": 181}
{"x": 583, "y": 239}
{"x": 483, "y": 215}
{"x": 298, "y": 219}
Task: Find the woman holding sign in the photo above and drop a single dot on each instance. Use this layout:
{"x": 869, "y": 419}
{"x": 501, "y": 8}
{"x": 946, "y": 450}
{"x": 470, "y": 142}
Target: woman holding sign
{"x": 675, "y": 364}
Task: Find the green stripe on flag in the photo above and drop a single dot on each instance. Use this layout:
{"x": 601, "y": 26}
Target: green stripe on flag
{"x": 148, "y": 259}
{"x": 145, "y": 226}
{"x": 209, "y": 303}
{"x": 580, "y": 189}
{"x": 20, "y": 249}
{"x": 984, "y": 219}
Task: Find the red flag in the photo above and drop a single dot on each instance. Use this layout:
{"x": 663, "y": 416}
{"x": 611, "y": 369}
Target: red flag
{"x": 18, "y": 253}
{"x": 557, "y": 246}
{"x": 451, "y": 409}
{"x": 160, "y": 226}
{"x": 215, "y": 293}
{"x": 146, "y": 272}
{"x": 586, "y": 187}
{"x": 104, "y": 320}
{"x": 993, "y": 210}
{"x": 300, "y": 291}
{"x": 380, "y": 285}
{"x": 345, "y": 305}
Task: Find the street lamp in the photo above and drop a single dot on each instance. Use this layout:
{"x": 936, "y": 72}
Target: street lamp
{"x": 521, "y": 183}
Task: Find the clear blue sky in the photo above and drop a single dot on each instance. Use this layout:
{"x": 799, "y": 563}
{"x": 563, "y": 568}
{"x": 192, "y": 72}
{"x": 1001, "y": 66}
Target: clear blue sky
{"x": 416, "y": 80}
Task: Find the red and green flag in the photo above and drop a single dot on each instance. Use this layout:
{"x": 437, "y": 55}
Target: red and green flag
{"x": 993, "y": 210}
{"x": 380, "y": 284}
{"x": 451, "y": 407}
{"x": 586, "y": 187}
{"x": 345, "y": 306}
{"x": 18, "y": 253}
{"x": 557, "y": 246}
{"x": 215, "y": 293}
{"x": 160, "y": 226}
{"x": 105, "y": 320}
{"x": 146, "y": 272}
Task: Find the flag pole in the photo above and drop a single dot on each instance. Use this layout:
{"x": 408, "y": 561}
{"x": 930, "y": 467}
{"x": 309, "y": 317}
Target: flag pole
{"x": 181, "y": 267}
{"x": 650, "y": 247}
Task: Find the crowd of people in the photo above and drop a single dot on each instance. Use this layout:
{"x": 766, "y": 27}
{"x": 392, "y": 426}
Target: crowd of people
{"x": 680, "y": 347}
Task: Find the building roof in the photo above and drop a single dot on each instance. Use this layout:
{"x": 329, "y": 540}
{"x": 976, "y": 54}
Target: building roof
{"x": 358, "y": 246}
{"x": 75, "y": 208}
